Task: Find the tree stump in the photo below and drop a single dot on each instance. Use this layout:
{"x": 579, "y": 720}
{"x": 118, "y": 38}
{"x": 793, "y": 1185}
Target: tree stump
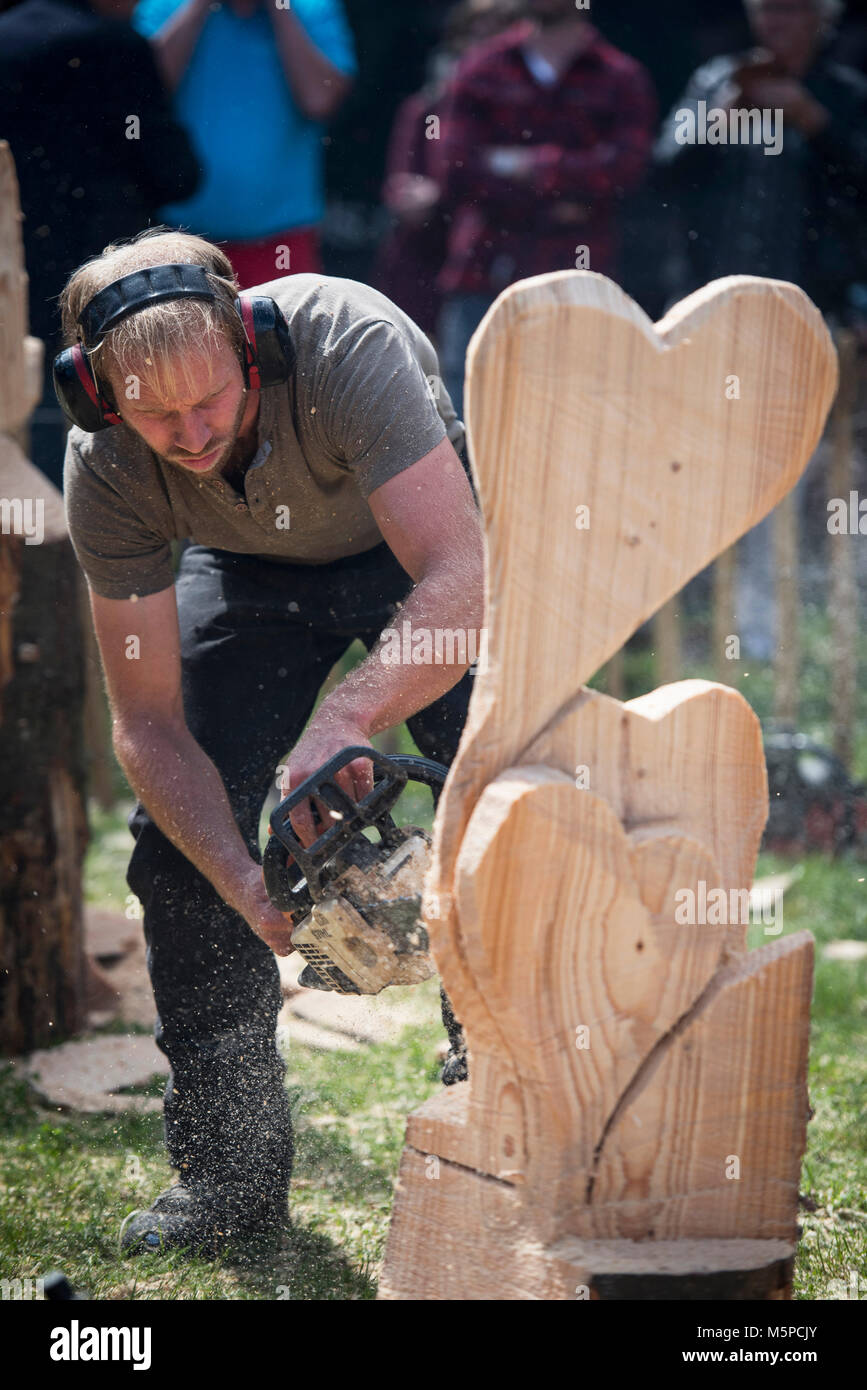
{"x": 43, "y": 828}
{"x": 636, "y": 1109}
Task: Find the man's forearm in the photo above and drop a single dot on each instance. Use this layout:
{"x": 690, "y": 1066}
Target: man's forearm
{"x": 184, "y": 795}
{"x": 416, "y": 660}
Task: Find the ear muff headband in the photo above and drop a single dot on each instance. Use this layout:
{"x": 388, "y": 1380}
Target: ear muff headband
{"x": 137, "y": 291}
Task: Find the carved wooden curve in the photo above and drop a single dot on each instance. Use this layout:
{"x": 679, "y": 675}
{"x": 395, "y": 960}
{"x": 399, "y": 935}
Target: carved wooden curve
{"x": 636, "y": 1111}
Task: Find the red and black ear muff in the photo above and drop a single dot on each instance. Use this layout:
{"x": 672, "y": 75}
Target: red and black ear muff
{"x": 268, "y": 354}
{"x": 252, "y": 375}
{"x": 78, "y": 394}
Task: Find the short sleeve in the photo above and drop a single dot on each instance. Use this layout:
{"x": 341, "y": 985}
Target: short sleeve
{"x": 119, "y": 554}
{"x": 378, "y": 412}
{"x": 326, "y": 25}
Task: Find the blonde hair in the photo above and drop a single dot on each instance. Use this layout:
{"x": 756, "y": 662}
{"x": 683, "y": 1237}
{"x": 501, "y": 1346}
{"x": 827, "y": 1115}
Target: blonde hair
{"x": 156, "y": 343}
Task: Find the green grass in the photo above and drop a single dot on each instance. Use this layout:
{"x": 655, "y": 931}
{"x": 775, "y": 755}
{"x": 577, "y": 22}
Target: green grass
{"x": 831, "y": 902}
{"x": 67, "y": 1180}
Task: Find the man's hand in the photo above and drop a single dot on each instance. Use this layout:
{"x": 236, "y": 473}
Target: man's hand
{"x": 799, "y": 107}
{"x": 411, "y": 197}
{"x": 326, "y": 736}
{"x": 510, "y": 161}
{"x": 250, "y": 899}
{"x": 567, "y": 214}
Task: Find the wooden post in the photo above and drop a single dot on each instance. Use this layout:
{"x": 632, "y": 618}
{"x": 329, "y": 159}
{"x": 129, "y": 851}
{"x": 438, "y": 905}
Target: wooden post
{"x": 43, "y": 830}
{"x": 787, "y": 663}
{"x": 615, "y": 683}
{"x": 723, "y": 621}
{"x": 636, "y": 1108}
{"x": 844, "y": 596}
{"x": 666, "y": 640}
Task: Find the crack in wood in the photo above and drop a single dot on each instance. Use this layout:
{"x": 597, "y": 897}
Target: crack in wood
{"x": 645, "y": 1070}
{"x": 465, "y": 1167}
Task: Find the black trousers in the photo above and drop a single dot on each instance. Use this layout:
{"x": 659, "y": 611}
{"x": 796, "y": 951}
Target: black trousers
{"x": 257, "y": 640}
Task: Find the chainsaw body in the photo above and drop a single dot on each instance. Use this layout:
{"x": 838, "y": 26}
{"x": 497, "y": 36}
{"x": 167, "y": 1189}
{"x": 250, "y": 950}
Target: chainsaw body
{"x": 354, "y": 896}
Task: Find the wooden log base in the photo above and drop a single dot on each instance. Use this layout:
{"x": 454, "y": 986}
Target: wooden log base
{"x": 484, "y": 1251}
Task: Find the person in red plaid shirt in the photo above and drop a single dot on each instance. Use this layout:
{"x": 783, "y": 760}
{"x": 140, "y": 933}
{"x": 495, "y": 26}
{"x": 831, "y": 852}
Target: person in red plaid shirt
{"x": 543, "y": 129}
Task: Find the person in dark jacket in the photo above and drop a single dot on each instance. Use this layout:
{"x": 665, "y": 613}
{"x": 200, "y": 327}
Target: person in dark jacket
{"x": 764, "y": 162}
{"x": 96, "y": 151}
{"x": 788, "y": 206}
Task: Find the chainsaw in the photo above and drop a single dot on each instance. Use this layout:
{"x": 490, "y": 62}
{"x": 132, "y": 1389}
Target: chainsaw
{"x": 354, "y": 895}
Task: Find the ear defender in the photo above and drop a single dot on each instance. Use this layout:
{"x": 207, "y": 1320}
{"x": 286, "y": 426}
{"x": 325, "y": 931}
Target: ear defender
{"x": 268, "y": 354}
{"x": 77, "y": 392}
{"x": 267, "y": 360}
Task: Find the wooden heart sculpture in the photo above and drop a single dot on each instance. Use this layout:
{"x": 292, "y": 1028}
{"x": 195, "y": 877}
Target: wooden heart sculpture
{"x": 678, "y": 438}
{"x": 614, "y": 459}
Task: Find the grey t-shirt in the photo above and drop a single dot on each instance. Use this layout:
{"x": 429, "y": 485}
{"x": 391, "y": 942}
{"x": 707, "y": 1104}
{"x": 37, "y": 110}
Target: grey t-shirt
{"x": 365, "y": 402}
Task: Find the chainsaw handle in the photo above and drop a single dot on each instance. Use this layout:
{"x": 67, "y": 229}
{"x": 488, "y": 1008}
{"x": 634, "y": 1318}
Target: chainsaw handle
{"x": 424, "y": 770}
{"x": 284, "y": 881}
{"x": 352, "y": 817}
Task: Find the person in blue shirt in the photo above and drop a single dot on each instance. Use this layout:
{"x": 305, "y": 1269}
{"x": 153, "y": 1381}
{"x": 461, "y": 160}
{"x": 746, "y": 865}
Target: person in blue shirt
{"x": 254, "y": 81}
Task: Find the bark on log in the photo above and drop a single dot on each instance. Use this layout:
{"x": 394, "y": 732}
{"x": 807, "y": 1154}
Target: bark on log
{"x": 43, "y": 825}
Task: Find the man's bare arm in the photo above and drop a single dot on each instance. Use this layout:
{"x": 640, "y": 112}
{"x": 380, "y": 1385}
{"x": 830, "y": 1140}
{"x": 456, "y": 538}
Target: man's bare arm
{"x": 429, "y": 518}
{"x": 167, "y": 769}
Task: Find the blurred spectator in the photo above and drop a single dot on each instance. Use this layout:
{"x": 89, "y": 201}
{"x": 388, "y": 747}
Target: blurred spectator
{"x": 254, "y": 84}
{"x": 543, "y": 129}
{"x": 96, "y": 150}
{"x": 413, "y": 252}
{"x": 393, "y": 40}
{"x": 850, "y": 45}
{"x": 793, "y": 215}
{"x": 670, "y": 38}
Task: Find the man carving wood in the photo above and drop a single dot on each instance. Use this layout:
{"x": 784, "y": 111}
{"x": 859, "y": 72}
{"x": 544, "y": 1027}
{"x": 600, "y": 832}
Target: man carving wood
{"x": 319, "y": 497}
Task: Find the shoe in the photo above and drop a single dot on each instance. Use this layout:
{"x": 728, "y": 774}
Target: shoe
{"x": 183, "y": 1218}
{"x": 174, "y": 1220}
{"x": 455, "y": 1067}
